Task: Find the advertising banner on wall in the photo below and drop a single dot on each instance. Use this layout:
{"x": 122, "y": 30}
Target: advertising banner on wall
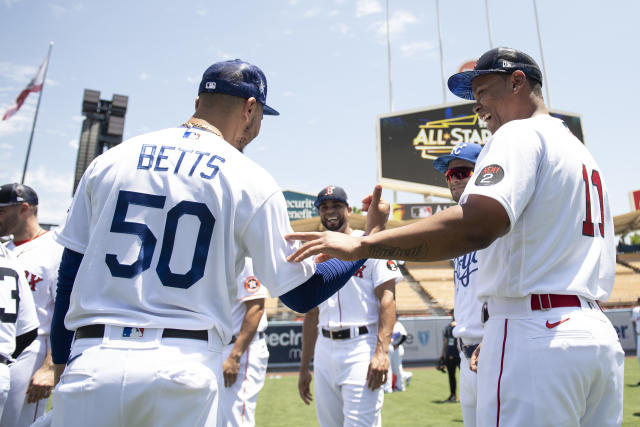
{"x": 634, "y": 200}
{"x": 409, "y": 142}
{"x": 300, "y": 205}
{"x": 406, "y": 211}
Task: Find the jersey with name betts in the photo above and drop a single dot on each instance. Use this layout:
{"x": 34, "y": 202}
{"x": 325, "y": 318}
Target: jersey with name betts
{"x": 164, "y": 221}
{"x": 41, "y": 259}
{"x": 17, "y": 309}
{"x": 356, "y": 303}
{"x": 467, "y": 306}
{"x": 561, "y": 237}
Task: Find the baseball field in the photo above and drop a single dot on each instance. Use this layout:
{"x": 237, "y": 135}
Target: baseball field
{"x": 421, "y": 405}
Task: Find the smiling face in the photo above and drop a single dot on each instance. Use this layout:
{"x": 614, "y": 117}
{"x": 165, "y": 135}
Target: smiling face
{"x": 456, "y": 185}
{"x": 334, "y": 215}
{"x": 492, "y": 93}
{"x": 9, "y": 219}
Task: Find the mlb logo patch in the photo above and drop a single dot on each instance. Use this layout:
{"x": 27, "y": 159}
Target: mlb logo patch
{"x": 191, "y": 135}
{"x": 128, "y": 332}
{"x": 210, "y": 85}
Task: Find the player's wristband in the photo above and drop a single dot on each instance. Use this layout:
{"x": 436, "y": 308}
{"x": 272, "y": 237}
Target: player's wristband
{"x": 329, "y": 277}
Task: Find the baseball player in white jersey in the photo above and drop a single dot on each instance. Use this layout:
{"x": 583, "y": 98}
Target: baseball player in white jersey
{"x": 32, "y": 372}
{"x": 155, "y": 239}
{"x": 18, "y": 318}
{"x": 458, "y": 168}
{"x": 351, "y": 332}
{"x": 246, "y": 357}
{"x": 397, "y": 378}
{"x": 549, "y": 355}
{"x": 635, "y": 319}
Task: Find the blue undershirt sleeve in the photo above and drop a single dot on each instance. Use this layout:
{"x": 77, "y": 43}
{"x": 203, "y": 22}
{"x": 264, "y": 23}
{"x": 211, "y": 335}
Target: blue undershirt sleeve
{"x": 329, "y": 277}
{"x": 61, "y": 337}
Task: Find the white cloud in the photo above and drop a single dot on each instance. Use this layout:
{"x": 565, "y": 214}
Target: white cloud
{"x": 341, "y": 28}
{"x": 202, "y": 12}
{"x": 58, "y": 11}
{"x": 144, "y": 76}
{"x": 19, "y": 122}
{"x": 193, "y": 80}
{"x": 288, "y": 93}
{"x": 8, "y": 3}
{"x": 310, "y": 13}
{"x": 334, "y": 12}
{"x": 287, "y": 32}
{"x": 397, "y": 23}
{"x": 77, "y": 118}
{"x": 73, "y": 143}
{"x": 367, "y": 7}
{"x": 5, "y": 146}
{"x": 293, "y": 2}
{"x": 413, "y": 48}
{"x": 18, "y": 73}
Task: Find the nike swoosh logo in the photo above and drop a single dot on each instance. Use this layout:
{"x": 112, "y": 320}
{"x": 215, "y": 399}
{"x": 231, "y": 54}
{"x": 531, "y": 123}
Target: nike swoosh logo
{"x": 554, "y": 324}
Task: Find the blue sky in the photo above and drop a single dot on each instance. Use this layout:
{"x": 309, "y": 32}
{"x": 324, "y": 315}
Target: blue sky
{"x": 326, "y": 65}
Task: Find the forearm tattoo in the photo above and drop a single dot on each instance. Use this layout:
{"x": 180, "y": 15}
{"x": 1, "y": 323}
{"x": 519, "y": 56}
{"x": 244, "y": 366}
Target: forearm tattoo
{"x": 416, "y": 253}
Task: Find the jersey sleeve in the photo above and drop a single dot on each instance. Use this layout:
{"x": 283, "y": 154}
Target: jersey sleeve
{"x": 75, "y": 232}
{"x": 269, "y": 252}
{"x": 383, "y": 271}
{"x": 249, "y": 286}
{"x": 27, "y": 316}
{"x": 506, "y": 170}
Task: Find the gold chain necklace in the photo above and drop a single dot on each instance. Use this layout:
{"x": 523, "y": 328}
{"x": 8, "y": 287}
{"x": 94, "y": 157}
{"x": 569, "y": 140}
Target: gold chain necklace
{"x": 203, "y": 127}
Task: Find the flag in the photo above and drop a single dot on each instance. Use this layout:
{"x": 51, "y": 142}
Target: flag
{"x": 35, "y": 85}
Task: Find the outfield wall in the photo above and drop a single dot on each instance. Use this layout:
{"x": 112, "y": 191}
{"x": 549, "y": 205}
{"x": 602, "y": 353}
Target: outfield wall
{"x": 424, "y": 338}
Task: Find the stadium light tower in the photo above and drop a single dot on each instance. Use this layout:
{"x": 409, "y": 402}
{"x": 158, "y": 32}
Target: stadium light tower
{"x": 102, "y": 128}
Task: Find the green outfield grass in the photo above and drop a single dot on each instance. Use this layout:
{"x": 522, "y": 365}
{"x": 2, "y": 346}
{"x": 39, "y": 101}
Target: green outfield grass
{"x": 422, "y": 403}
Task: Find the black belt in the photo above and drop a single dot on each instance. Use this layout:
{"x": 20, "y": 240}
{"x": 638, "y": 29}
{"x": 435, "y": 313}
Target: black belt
{"x": 97, "y": 331}
{"x": 235, "y": 338}
{"x": 343, "y": 334}
{"x": 5, "y": 360}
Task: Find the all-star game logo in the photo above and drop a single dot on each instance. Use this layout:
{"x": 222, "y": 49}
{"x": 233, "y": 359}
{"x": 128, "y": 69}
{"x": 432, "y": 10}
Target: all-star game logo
{"x": 438, "y": 137}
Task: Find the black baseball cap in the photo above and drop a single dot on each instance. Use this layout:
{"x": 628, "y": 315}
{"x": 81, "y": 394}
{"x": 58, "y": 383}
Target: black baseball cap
{"x": 13, "y": 194}
{"x": 331, "y": 192}
{"x": 237, "y": 78}
{"x": 499, "y": 60}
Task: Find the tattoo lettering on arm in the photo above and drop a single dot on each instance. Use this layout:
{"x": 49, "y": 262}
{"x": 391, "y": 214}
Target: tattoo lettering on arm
{"x": 416, "y": 253}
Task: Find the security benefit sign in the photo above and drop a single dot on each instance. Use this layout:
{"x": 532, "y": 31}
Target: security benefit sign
{"x": 409, "y": 142}
{"x": 300, "y": 205}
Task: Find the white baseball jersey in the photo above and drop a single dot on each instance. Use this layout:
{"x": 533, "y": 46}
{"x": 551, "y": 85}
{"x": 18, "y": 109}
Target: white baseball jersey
{"x": 41, "y": 259}
{"x": 249, "y": 288}
{"x": 356, "y": 303}
{"x": 398, "y": 331}
{"x": 635, "y": 316}
{"x": 466, "y": 306}
{"x": 561, "y": 237}
{"x": 165, "y": 221}
{"x": 18, "y": 311}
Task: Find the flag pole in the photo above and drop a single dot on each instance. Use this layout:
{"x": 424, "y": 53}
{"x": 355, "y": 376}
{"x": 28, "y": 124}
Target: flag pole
{"x": 35, "y": 117}
{"x": 444, "y": 85}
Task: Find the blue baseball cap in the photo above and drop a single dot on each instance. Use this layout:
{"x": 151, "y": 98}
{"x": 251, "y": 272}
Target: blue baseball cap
{"x": 331, "y": 192}
{"x": 500, "y": 60}
{"x": 237, "y": 78}
{"x": 468, "y": 151}
{"x": 14, "y": 194}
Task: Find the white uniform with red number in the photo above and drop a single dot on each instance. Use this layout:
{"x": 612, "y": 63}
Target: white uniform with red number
{"x": 340, "y": 366}
{"x": 239, "y": 401}
{"x": 41, "y": 258}
{"x": 562, "y": 366}
{"x": 165, "y": 221}
{"x": 18, "y": 315}
{"x": 468, "y": 329}
{"x": 635, "y": 316}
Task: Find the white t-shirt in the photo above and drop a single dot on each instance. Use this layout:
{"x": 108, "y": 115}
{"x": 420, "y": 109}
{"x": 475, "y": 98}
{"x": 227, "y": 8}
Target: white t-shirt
{"x": 561, "y": 237}
{"x": 41, "y": 259}
{"x": 165, "y": 221}
{"x": 356, "y": 303}
{"x": 635, "y": 316}
{"x": 249, "y": 288}
{"x": 18, "y": 311}
{"x": 467, "y": 307}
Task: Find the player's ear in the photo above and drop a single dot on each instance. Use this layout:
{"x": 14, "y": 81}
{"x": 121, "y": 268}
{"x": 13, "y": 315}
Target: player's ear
{"x": 249, "y": 109}
{"x": 197, "y": 102}
{"x": 518, "y": 80}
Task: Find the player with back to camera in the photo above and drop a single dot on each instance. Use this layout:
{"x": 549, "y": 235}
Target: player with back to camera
{"x": 155, "y": 239}
{"x": 348, "y": 335}
{"x": 539, "y": 205}
{"x": 18, "y": 319}
{"x": 458, "y": 169}
{"x": 32, "y": 375}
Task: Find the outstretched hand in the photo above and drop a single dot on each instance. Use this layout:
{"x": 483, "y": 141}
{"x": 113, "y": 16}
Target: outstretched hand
{"x": 329, "y": 243}
{"x": 377, "y": 210}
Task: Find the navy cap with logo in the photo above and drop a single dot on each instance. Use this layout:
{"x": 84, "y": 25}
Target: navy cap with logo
{"x": 501, "y": 60}
{"x": 331, "y": 193}
{"x": 468, "y": 151}
{"x": 237, "y": 78}
{"x": 13, "y": 194}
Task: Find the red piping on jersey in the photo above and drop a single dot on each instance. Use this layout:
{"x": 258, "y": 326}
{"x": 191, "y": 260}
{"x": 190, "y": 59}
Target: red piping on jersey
{"x": 504, "y": 341}
{"x": 22, "y": 242}
{"x": 244, "y": 381}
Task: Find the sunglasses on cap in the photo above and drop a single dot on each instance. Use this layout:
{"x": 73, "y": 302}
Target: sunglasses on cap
{"x": 458, "y": 173}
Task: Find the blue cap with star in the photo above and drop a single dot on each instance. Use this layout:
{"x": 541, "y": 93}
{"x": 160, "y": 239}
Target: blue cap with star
{"x": 237, "y": 78}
